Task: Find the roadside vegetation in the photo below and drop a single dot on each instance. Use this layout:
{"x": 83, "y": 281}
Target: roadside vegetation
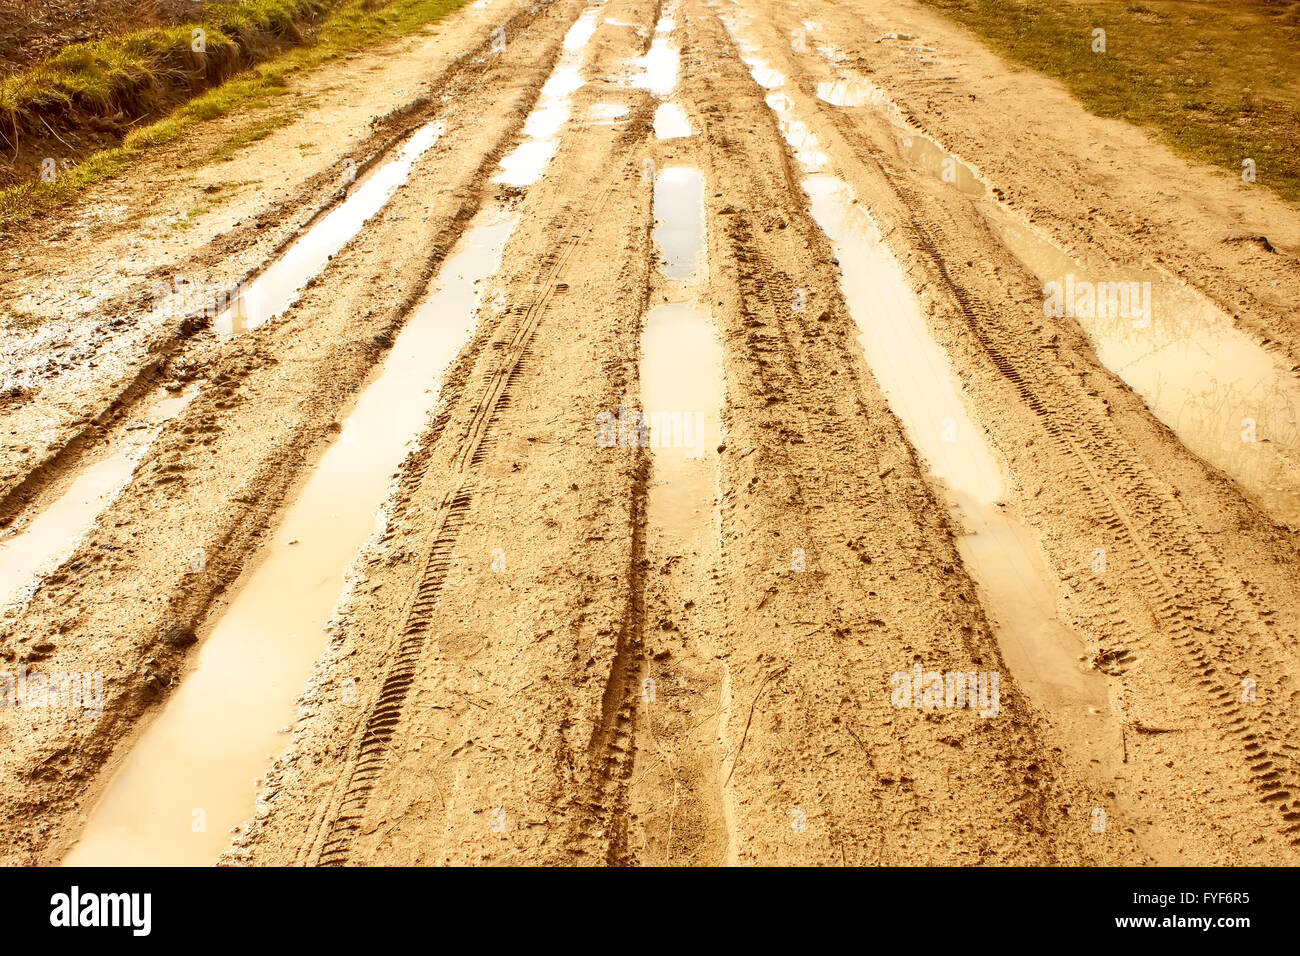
{"x": 118, "y": 79}
{"x": 1216, "y": 79}
{"x": 111, "y": 85}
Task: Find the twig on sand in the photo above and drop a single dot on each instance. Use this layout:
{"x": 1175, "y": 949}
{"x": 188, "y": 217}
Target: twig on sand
{"x": 750, "y": 718}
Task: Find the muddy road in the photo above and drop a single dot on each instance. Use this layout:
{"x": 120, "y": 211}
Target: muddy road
{"x": 682, "y": 433}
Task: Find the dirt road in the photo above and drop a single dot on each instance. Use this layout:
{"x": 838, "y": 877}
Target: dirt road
{"x": 705, "y": 432}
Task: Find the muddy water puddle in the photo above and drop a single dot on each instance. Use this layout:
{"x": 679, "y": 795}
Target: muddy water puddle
{"x": 927, "y": 155}
{"x": 911, "y": 367}
{"x": 278, "y": 287}
{"x": 191, "y": 776}
{"x": 671, "y": 122}
{"x": 608, "y": 114}
{"x": 681, "y": 389}
{"x": 524, "y": 165}
{"x": 656, "y": 71}
{"x": 51, "y": 536}
{"x": 917, "y": 380}
{"x": 679, "y": 225}
{"x": 260, "y": 652}
{"x": 53, "y": 533}
{"x": 681, "y": 371}
{"x": 851, "y": 91}
{"x": 802, "y": 141}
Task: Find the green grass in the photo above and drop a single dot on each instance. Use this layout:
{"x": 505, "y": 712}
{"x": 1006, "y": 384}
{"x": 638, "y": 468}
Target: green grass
{"x": 353, "y": 26}
{"x": 105, "y": 76}
{"x": 1216, "y": 80}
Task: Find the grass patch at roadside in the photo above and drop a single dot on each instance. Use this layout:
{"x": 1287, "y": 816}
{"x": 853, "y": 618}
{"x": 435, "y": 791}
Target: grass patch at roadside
{"x": 1216, "y": 79}
{"x": 128, "y": 73}
{"x": 352, "y": 27}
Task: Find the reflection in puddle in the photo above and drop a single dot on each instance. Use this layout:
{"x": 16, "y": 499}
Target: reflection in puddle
{"x": 278, "y": 287}
{"x": 681, "y": 389}
{"x": 679, "y": 211}
{"x": 607, "y": 114}
{"x": 851, "y": 91}
{"x": 765, "y": 76}
{"x": 53, "y": 534}
{"x": 660, "y": 64}
{"x": 926, "y": 154}
{"x": 200, "y": 758}
{"x": 526, "y": 163}
{"x": 759, "y": 69}
{"x": 910, "y": 366}
{"x": 671, "y": 122}
{"x": 681, "y": 373}
{"x": 1228, "y": 400}
{"x": 807, "y": 150}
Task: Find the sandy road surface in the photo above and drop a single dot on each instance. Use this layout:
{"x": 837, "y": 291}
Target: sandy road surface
{"x": 385, "y": 570}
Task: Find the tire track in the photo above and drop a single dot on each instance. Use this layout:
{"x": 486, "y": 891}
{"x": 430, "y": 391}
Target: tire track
{"x": 831, "y": 488}
{"x": 332, "y": 841}
{"x": 602, "y": 805}
{"x": 1121, "y": 494}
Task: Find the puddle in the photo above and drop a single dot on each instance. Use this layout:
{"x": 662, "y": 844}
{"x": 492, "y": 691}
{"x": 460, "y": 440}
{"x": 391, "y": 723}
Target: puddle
{"x": 53, "y": 535}
{"x": 671, "y": 122}
{"x": 681, "y": 372}
{"x": 807, "y": 150}
{"x": 851, "y": 91}
{"x": 277, "y": 288}
{"x": 660, "y": 64}
{"x": 764, "y": 75}
{"x": 607, "y": 114}
{"x": 679, "y": 225}
{"x": 681, "y": 392}
{"x": 526, "y": 163}
{"x": 759, "y": 68}
{"x": 917, "y": 380}
{"x": 927, "y": 155}
{"x": 199, "y": 760}
{"x": 1227, "y": 400}
{"x": 910, "y": 366}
